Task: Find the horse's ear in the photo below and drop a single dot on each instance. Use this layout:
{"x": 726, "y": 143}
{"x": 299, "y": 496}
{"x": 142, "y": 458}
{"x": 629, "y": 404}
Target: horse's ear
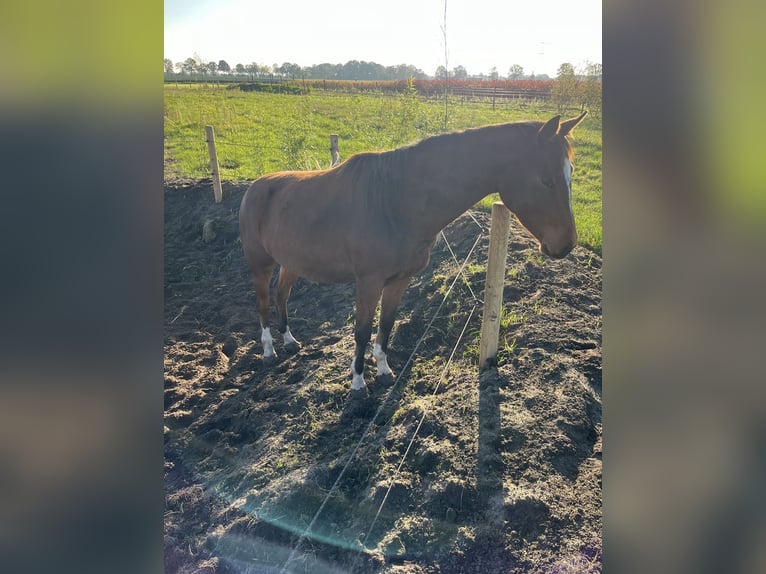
{"x": 549, "y": 130}
{"x": 569, "y": 125}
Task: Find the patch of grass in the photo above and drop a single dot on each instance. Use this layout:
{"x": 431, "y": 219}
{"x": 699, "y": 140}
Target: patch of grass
{"x": 506, "y": 348}
{"x": 485, "y": 204}
{"x": 474, "y": 269}
{"x": 509, "y": 317}
{"x": 535, "y": 258}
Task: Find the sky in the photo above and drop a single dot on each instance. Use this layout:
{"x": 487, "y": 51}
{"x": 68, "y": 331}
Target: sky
{"x": 539, "y": 35}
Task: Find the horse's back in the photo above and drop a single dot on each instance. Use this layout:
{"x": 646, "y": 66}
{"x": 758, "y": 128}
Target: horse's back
{"x": 300, "y": 220}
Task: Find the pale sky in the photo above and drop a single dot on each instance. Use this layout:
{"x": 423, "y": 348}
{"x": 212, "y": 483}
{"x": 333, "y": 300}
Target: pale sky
{"x": 537, "y": 34}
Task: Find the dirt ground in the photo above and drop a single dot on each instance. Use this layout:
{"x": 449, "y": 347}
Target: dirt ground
{"x": 440, "y": 470}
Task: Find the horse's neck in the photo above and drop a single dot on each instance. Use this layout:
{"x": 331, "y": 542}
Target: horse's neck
{"x": 447, "y": 180}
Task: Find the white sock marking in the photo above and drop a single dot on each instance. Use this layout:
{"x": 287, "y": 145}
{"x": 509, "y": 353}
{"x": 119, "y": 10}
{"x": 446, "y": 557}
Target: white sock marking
{"x": 381, "y": 360}
{"x": 568, "y": 178}
{"x": 288, "y": 338}
{"x": 267, "y": 342}
{"x": 357, "y": 382}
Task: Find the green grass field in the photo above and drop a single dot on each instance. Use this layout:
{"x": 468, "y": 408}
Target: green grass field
{"x": 258, "y": 133}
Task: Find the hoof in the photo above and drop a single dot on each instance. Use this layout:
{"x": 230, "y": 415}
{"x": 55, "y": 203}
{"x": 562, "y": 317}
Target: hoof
{"x": 386, "y": 378}
{"x": 359, "y": 405}
{"x": 359, "y": 394}
{"x": 269, "y": 360}
{"x": 293, "y": 347}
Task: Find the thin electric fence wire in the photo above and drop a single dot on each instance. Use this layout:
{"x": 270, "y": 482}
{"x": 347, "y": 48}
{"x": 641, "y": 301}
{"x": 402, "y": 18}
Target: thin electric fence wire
{"x": 351, "y": 456}
{"x": 417, "y": 429}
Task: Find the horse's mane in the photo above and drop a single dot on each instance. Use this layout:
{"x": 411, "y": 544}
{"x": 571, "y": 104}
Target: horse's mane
{"x": 529, "y": 128}
{"x": 375, "y": 175}
{"x": 378, "y": 175}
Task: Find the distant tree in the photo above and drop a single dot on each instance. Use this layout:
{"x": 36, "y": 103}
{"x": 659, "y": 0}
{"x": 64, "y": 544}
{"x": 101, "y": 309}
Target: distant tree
{"x": 440, "y": 73}
{"x": 459, "y": 72}
{"x": 515, "y": 72}
{"x": 591, "y": 88}
{"x": 288, "y": 69}
{"x": 240, "y": 68}
{"x": 360, "y": 70}
{"x": 593, "y": 71}
{"x": 566, "y": 70}
{"x": 565, "y": 91}
{"x": 211, "y": 67}
{"x": 324, "y": 71}
{"x": 402, "y": 72}
{"x": 168, "y": 66}
{"x": 493, "y": 75}
{"x": 199, "y": 64}
{"x": 223, "y": 66}
{"x": 253, "y": 69}
{"x": 189, "y": 66}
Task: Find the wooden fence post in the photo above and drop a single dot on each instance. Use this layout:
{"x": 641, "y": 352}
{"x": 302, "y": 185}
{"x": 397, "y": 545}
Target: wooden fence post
{"x": 217, "y": 190}
{"x": 493, "y": 289}
{"x": 334, "y": 153}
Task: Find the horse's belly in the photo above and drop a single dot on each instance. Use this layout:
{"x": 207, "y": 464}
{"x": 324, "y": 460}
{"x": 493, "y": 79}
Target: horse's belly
{"x": 325, "y": 276}
{"x": 320, "y": 265}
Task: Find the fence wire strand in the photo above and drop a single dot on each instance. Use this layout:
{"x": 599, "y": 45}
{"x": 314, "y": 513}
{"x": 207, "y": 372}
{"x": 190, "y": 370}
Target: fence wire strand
{"x": 352, "y": 455}
{"x": 420, "y": 424}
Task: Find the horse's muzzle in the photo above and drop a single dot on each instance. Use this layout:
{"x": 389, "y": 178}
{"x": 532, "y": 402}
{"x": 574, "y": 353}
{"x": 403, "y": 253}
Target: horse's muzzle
{"x": 559, "y": 254}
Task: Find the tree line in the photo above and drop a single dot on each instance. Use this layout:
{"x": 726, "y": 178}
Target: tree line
{"x": 354, "y": 70}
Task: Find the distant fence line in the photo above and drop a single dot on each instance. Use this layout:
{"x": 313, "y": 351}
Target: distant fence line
{"x": 431, "y": 88}
{"x": 574, "y": 93}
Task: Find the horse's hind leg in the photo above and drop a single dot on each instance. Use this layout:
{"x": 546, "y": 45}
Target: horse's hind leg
{"x": 392, "y": 295}
{"x": 261, "y": 280}
{"x": 285, "y": 283}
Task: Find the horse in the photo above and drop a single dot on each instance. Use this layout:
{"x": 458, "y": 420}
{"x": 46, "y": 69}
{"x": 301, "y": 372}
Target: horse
{"x": 374, "y": 218}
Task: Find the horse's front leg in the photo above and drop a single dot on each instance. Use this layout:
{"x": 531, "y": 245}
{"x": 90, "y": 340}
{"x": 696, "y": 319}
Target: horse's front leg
{"x": 367, "y": 295}
{"x": 392, "y": 296}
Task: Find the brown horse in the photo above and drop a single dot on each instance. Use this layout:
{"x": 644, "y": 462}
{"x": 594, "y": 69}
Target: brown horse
{"x": 374, "y": 218}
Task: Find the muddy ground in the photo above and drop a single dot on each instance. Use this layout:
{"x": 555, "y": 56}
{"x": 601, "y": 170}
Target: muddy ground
{"x": 278, "y": 468}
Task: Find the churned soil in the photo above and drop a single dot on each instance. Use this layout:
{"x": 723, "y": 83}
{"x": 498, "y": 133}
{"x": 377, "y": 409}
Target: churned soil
{"x": 441, "y": 469}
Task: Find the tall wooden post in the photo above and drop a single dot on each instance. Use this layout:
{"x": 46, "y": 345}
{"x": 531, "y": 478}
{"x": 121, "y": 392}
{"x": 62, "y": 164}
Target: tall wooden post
{"x": 334, "y": 153}
{"x": 493, "y": 290}
{"x": 217, "y": 190}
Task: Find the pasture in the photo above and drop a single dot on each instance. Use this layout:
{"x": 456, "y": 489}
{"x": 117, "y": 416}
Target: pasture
{"x": 258, "y": 133}
{"x": 441, "y": 470}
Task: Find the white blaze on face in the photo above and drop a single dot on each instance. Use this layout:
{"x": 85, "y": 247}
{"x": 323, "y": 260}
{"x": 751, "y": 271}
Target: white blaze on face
{"x": 568, "y": 178}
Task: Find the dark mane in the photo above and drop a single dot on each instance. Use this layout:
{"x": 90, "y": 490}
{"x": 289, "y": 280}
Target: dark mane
{"x": 377, "y": 175}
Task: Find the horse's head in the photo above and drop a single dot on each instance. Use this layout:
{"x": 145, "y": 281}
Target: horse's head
{"x": 541, "y": 196}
